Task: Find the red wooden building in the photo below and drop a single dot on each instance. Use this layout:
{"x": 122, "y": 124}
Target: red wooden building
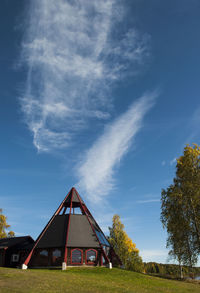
{"x": 72, "y": 237}
{"x": 13, "y": 250}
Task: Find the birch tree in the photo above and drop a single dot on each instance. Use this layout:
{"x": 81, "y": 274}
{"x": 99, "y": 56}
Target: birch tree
{"x": 180, "y": 209}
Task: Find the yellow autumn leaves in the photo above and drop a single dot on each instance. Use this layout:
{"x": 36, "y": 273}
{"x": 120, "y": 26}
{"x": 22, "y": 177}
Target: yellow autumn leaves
{"x": 180, "y": 210}
{"x": 4, "y": 226}
{"x": 124, "y": 246}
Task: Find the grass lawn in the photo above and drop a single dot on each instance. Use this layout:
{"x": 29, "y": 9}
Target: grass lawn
{"x": 87, "y": 280}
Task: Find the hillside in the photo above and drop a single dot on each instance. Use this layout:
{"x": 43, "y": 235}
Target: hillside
{"x": 87, "y": 280}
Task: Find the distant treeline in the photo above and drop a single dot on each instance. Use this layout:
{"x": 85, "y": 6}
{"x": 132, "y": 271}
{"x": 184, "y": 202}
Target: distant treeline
{"x": 170, "y": 270}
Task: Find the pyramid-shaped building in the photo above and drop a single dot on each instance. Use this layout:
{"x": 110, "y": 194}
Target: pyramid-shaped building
{"x": 72, "y": 237}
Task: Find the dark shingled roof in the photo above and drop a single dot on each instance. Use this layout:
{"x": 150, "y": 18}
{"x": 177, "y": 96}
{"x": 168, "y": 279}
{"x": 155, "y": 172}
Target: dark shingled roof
{"x": 20, "y": 242}
{"x": 81, "y": 233}
{"x": 55, "y": 235}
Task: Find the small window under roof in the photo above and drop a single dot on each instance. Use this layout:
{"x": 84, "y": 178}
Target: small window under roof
{"x": 102, "y": 238}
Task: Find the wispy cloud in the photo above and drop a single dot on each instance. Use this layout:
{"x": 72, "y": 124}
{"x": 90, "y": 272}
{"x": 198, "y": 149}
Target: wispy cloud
{"x": 96, "y": 171}
{"x": 193, "y": 128}
{"x": 148, "y": 201}
{"x": 156, "y": 255}
{"x": 73, "y": 55}
{"x": 19, "y": 234}
{"x": 106, "y": 220}
{"x": 173, "y": 161}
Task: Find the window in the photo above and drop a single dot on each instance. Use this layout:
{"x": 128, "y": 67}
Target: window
{"x": 76, "y": 256}
{"x": 15, "y": 258}
{"x": 102, "y": 238}
{"x": 103, "y": 261}
{"x": 56, "y": 253}
{"x": 43, "y": 257}
{"x": 106, "y": 249}
{"x": 44, "y": 253}
{"x": 91, "y": 256}
{"x": 56, "y": 257}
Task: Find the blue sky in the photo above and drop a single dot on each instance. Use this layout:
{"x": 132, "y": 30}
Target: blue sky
{"x": 100, "y": 95}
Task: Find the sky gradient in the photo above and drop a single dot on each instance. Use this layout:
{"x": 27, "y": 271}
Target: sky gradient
{"x": 100, "y": 95}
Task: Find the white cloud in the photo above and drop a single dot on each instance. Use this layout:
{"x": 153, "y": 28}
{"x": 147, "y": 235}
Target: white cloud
{"x": 148, "y": 201}
{"x": 19, "y": 234}
{"x": 154, "y": 255}
{"x": 105, "y": 221}
{"x": 72, "y": 58}
{"x": 172, "y": 162}
{"x": 97, "y": 168}
{"x": 193, "y": 128}
{"x": 163, "y": 163}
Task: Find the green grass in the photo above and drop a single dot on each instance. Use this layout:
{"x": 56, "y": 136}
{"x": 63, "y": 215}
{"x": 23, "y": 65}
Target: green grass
{"x": 87, "y": 280}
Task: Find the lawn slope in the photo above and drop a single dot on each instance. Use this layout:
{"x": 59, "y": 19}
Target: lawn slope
{"x": 87, "y": 280}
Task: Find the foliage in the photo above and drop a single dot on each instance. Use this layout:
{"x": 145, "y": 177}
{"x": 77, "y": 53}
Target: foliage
{"x": 181, "y": 208}
{"x": 124, "y": 247}
{"x": 88, "y": 280}
{"x": 169, "y": 270}
{"x": 4, "y": 226}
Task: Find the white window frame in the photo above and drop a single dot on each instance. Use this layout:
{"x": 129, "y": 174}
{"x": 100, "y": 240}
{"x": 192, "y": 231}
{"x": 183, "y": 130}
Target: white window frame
{"x": 15, "y": 257}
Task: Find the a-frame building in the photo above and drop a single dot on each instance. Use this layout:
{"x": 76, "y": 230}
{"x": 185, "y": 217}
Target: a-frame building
{"x": 71, "y": 238}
